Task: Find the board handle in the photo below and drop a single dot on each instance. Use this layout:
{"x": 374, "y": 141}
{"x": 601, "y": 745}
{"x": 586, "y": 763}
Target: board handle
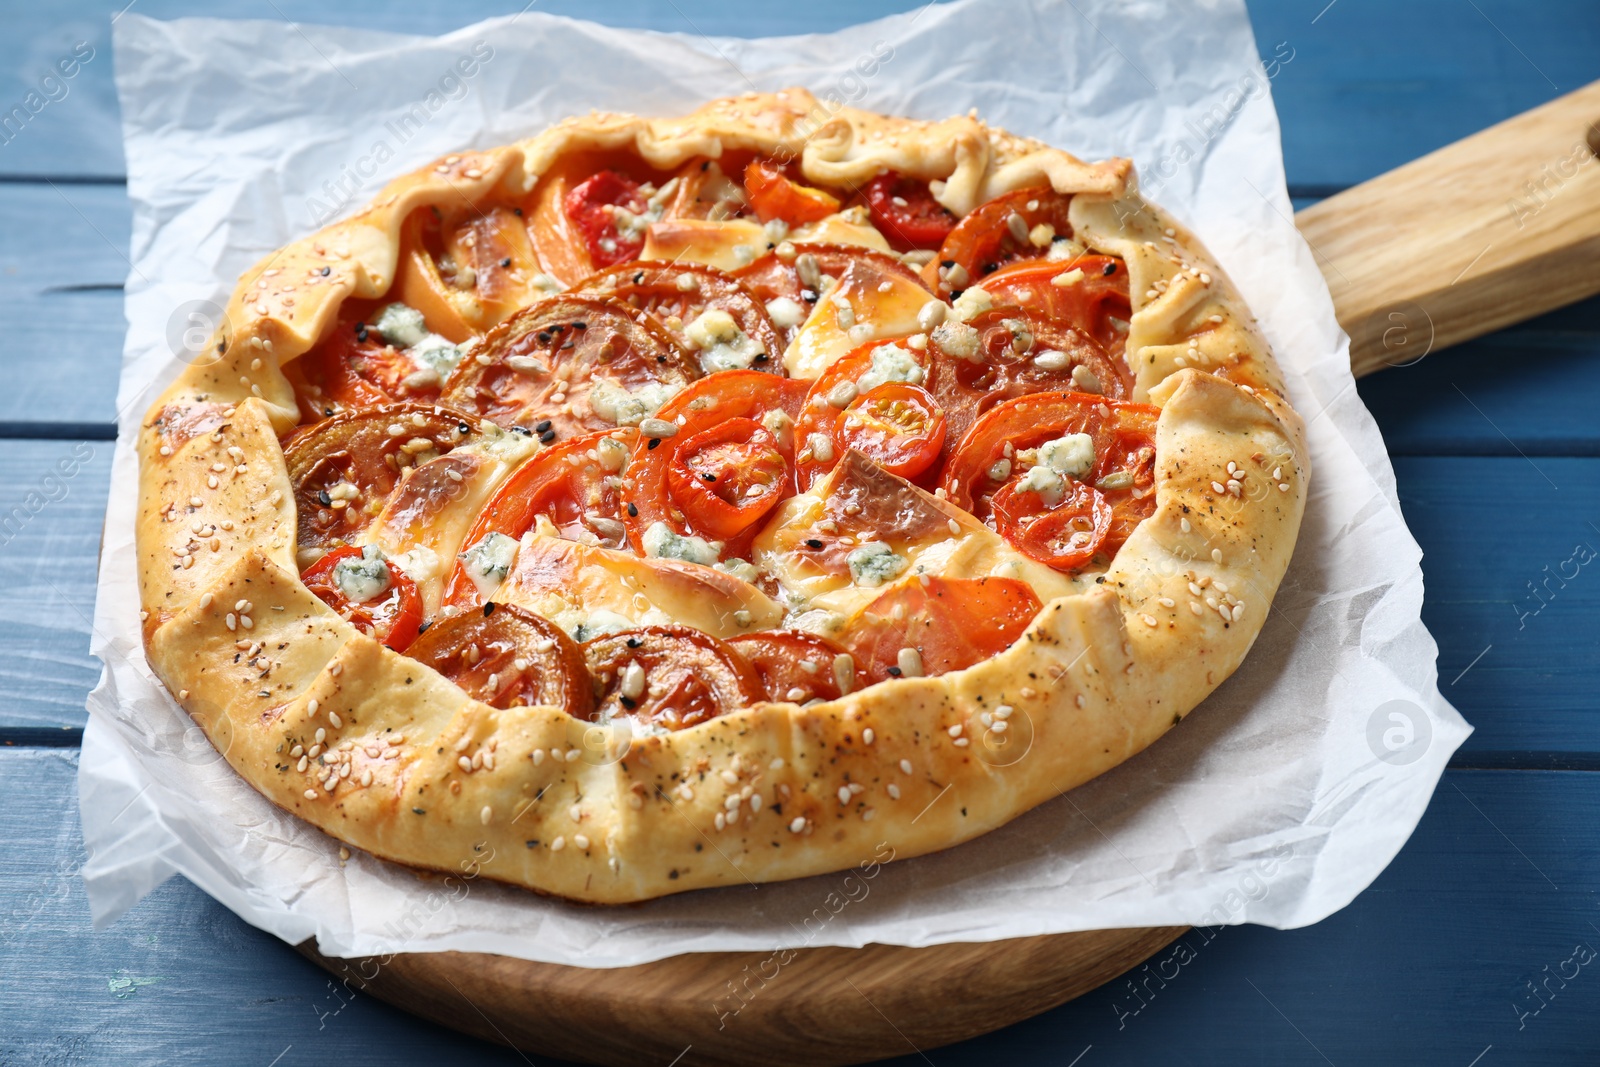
{"x": 1483, "y": 233}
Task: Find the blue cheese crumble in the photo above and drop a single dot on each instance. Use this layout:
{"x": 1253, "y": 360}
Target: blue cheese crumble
{"x": 489, "y": 561}
{"x": 611, "y": 401}
{"x": 890, "y": 363}
{"x": 661, "y": 542}
{"x": 875, "y": 563}
{"x": 363, "y": 579}
{"x": 722, "y": 345}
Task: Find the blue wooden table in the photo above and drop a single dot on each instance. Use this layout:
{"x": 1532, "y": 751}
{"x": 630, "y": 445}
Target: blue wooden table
{"x": 1479, "y": 946}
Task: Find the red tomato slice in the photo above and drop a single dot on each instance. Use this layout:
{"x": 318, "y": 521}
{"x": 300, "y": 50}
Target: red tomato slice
{"x": 354, "y": 368}
{"x": 1065, "y": 536}
{"x": 951, "y": 622}
{"x": 821, "y": 418}
{"x": 1091, "y": 303}
{"x": 507, "y": 658}
{"x": 732, "y": 394}
{"x": 591, "y": 205}
{"x": 570, "y": 484}
{"x": 393, "y": 617}
{"x": 727, "y": 477}
{"x": 669, "y": 676}
{"x": 774, "y": 196}
{"x": 987, "y": 239}
{"x": 897, "y": 426}
{"x": 794, "y": 666}
{"x": 906, "y": 213}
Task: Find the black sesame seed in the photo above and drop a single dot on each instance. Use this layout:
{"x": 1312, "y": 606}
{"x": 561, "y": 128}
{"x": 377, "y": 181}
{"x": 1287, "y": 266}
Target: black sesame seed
{"x": 812, "y": 542}
{"x": 546, "y": 437}
{"x": 635, "y": 642}
{"x": 326, "y": 271}
{"x": 947, "y": 263}
{"x": 419, "y": 811}
{"x": 517, "y": 211}
{"x": 328, "y": 412}
{"x": 629, "y": 702}
{"x": 709, "y": 477}
{"x": 506, "y": 262}
{"x": 523, "y": 430}
{"x": 761, "y": 357}
{"x": 361, "y": 334}
{"x": 704, "y": 166}
{"x": 638, "y": 277}
{"x": 633, "y": 511}
{"x": 464, "y": 427}
{"x": 423, "y": 628}
{"x": 580, "y": 326}
{"x": 1110, "y": 268}
{"x": 955, "y": 294}
{"x": 541, "y": 426}
{"x": 987, "y": 267}
{"x": 894, "y": 672}
{"x": 488, "y": 608}
{"x": 808, "y": 295}
{"x": 544, "y": 336}
{"x": 322, "y": 495}
{"x": 654, "y": 441}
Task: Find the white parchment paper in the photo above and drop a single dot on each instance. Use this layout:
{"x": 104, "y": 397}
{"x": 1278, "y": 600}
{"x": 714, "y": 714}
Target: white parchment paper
{"x": 1276, "y": 802}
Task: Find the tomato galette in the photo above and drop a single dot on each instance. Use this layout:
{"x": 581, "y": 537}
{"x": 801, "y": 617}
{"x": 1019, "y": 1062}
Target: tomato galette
{"x": 666, "y": 503}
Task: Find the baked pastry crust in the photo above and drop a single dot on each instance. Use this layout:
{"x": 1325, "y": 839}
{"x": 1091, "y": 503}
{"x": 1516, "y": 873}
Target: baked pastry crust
{"x": 533, "y": 797}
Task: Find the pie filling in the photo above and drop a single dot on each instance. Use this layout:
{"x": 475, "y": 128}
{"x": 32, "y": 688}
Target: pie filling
{"x": 658, "y": 446}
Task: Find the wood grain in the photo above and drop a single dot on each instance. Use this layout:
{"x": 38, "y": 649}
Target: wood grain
{"x": 1483, "y": 233}
{"x": 819, "y": 1006}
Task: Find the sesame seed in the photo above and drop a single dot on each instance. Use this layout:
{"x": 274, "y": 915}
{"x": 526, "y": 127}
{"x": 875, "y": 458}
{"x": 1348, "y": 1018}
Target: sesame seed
{"x": 844, "y": 794}
{"x": 1194, "y": 606}
{"x": 1216, "y": 555}
{"x": 960, "y": 742}
{"x": 205, "y": 600}
{"x": 558, "y": 844}
{"x": 333, "y": 717}
{"x": 311, "y": 708}
{"x": 955, "y": 731}
{"x": 311, "y": 794}
{"x": 465, "y": 764}
{"x": 366, "y": 777}
{"x": 893, "y": 791}
{"x": 867, "y": 736}
{"x": 232, "y": 621}
{"x": 538, "y": 756}
{"x": 580, "y": 840}
{"x": 905, "y": 766}
{"x": 1183, "y": 524}
{"x": 797, "y": 824}
{"x": 1149, "y": 620}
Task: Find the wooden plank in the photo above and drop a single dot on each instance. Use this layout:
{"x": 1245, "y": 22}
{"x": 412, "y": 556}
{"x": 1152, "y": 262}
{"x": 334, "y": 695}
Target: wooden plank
{"x": 63, "y": 259}
{"x": 1474, "y": 237}
{"x": 1532, "y": 390}
{"x": 1490, "y": 891}
{"x": 1532, "y": 693}
{"x": 1371, "y": 86}
{"x": 52, "y": 501}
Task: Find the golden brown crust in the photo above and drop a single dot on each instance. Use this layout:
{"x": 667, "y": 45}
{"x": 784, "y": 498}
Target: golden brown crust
{"x": 410, "y": 769}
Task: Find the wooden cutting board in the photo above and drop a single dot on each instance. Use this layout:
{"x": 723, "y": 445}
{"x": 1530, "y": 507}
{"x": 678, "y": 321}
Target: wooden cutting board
{"x": 1484, "y": 233}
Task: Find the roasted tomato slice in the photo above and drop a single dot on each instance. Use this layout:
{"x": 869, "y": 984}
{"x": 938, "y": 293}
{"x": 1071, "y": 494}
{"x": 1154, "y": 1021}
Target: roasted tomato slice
{"x": 743, "y": 396}
{"x": 906, "y": 213}
{"x": 773, "y": 195}
{"x": 950, "y": 623}
{"x": 508, "y": 657}
{"x": 788, "y": 286}
{"x": 344, "y": 468}
{"x": 468, "y": 272}
{"x": 353, "y": 367}
{"x": 593, "y": 207}
{"x": 1004, "y": 229}
{"x": 578, "y": 363}
{"x": 1088, "y": 292}
{"x": 795, "y": 666}
{"x": 669, "y": 676}
{"x": 1017, "y": 351}
{"x": 373, "y": 594}
{"x": 704, "y": 191}
{"x": 902, "y": 430}
{"x": 897, "y": 426}
{"x": 576, "y": 484}
{"x": 997, "y": 454}
{"x": 1064, "y": 535}
{"x": 727, "y": 477}
{"x": 679, "y": 295}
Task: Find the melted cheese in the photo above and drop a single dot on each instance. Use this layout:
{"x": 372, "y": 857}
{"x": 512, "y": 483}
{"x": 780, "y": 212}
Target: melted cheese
{"x": 584, "y": 588}
{"x": 867, "y": 304}
{"x": 849, "y": 227}
{"x": 427, "y": 515}
{"x": 726, "y": 245}
{"x": 870, "y": 507}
